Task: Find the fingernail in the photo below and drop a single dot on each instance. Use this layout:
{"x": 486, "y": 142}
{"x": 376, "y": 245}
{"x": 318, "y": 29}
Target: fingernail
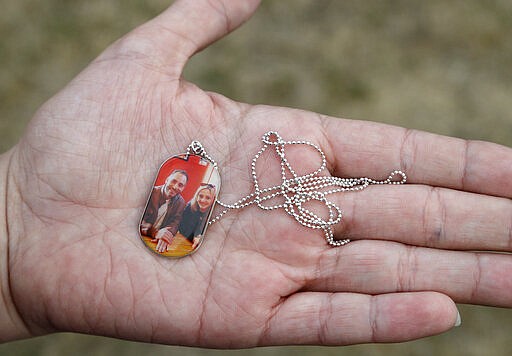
{"x": 458, "y": 322}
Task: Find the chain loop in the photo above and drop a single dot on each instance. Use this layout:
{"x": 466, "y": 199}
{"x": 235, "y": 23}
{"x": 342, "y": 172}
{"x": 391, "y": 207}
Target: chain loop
{"x": 197, "y": 148}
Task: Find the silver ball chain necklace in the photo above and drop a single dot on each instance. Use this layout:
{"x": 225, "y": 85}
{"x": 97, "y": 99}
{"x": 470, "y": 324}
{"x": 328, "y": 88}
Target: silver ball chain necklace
{"x": 178, "y": 231}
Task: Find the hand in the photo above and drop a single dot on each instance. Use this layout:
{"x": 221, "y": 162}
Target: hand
{"x": 145, "y": 227}
{"x": 163, "y": 239}
{"x": 79, "y": 179}
{"x": 195, "y": 242}
{"x": 162, "y": 245}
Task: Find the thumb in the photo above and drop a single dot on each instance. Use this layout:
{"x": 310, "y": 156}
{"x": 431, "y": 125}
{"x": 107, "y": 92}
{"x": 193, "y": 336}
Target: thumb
{"x": 182, "y": 30}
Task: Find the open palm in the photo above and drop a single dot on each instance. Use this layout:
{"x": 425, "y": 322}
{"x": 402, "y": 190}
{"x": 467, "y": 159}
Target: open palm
{"x": 82, "y": 172}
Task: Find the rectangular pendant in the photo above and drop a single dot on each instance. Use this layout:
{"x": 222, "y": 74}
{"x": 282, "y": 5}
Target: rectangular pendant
{"x": 180, "y": 205}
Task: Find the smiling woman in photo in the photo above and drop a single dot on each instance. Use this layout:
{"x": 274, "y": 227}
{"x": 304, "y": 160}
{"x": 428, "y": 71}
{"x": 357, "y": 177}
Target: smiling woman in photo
{"x": 196, "y": 213}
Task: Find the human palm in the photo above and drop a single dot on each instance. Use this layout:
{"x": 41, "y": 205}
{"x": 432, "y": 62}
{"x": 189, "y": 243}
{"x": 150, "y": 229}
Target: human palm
{"x": 84, "y": 168}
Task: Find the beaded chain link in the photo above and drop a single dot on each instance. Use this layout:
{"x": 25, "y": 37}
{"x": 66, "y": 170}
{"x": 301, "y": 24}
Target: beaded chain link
{"x": 298, "y": 190}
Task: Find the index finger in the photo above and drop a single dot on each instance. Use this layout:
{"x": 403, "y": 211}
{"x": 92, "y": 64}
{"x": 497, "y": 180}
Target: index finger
{"x": 360, "y": 148}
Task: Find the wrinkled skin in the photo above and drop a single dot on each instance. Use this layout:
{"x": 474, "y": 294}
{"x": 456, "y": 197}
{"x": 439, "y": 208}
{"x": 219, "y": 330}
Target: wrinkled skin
{"x": 79, "y": 179}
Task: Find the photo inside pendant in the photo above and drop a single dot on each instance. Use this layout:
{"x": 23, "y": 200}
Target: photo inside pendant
{"x": 179, "y": 205}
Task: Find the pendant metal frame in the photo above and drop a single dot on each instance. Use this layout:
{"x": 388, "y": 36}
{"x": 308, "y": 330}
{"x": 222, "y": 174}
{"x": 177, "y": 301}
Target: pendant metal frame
{"x": 202, "y": 179}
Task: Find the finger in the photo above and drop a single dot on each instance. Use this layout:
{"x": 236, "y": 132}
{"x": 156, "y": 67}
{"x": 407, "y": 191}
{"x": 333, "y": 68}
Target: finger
{"x": 375, "y": 267}
{"x": 166, "y": 239}
{"x": 359, "y": 148}
{"x": 346, "y": 318}
{"x": 185, "y": 28}
{"x": 425, "y": 216}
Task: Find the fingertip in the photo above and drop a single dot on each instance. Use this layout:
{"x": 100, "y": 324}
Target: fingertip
{"x": 208, "y": 21}
{"x": 458, "y": 320}
{"x": 415, "y": 315}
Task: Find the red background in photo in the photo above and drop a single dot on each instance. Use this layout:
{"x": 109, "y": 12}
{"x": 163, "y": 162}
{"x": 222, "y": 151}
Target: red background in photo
{"x": 195, "y": 168}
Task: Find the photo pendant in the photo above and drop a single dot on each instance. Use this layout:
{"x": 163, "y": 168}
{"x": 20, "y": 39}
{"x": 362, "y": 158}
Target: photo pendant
{"x": 179, "y": 205}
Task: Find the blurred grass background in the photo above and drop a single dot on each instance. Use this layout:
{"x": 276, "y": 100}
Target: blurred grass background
{"x": 439, "y": 66}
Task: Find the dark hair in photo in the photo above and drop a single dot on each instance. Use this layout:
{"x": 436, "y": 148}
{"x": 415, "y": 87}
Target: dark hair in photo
{"x": 179, "y": 171}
